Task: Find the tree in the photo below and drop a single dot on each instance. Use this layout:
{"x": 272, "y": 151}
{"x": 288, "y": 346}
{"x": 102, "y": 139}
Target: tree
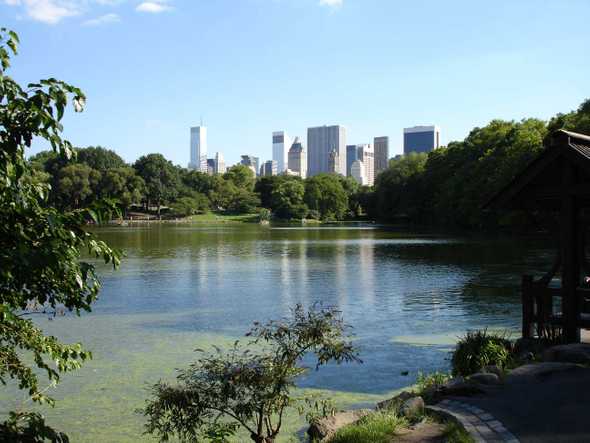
{"x": 100, "y": 158}
{"x": 161, "y": 179}
{"x": 242, "y": 201}
{"x": 124, "y": 185}
{"x": 241, "y": 176}
{"x": 186, "y": 206}
{"x": 76, "y": 183}
{"x": 324, "y": 193}
{"x": 287, "y": 200}
{"x": 41, "y": 265}
{"x": 248, "y": 385}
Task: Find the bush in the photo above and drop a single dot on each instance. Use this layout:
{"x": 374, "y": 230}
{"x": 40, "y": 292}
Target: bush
{"x": 427, "y": 381}
{"x": 264, "y": 215}
{"x": 478, "y": 349}
{"x": 378, "y": 427}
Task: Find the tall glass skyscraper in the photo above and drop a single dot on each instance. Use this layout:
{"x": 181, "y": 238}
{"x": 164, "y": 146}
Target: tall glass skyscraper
{"x": 198, "y": 149}
{"x": 321, "y": 142}
{"x": 280, "y": 150}
{"x": 421, "y": 139}
{"x": 381, "y": 145}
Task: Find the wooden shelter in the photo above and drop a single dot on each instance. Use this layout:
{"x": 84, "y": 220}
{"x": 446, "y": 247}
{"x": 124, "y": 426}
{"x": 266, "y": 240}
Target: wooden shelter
{"x": 558, "y": 180}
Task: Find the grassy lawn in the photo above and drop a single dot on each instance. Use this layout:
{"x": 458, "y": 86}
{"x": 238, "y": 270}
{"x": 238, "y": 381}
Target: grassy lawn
{"x": 214, "y": 217}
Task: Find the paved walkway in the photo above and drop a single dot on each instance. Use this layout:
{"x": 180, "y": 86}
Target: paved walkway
{"x": 554, "y": 408}
{"x": 481, "y": 425}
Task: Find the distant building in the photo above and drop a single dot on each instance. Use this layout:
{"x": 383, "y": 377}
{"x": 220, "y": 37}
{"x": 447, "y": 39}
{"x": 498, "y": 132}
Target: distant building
{"x": 298, "y": 159}
{"x": 334, "y": 162}
{"x": 198, "y": 149}
{"x": 250, "y": 160}
{"x": 351, "y": 155}
{"x": 269, "y": 168}
{"x": 381, "y": 146}
{"x": 358, "y": 172}
{"x": 366, "y": 155}
{"x": 321, "y": 142}
{"x": 210, "y": 166}
{"x": 280, "y": 149}
{"x": 421, "y": 139}
{"x": 219, "y": 163}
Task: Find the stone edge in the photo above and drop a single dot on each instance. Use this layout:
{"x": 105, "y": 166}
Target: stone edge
{"x": 482, "y": 426}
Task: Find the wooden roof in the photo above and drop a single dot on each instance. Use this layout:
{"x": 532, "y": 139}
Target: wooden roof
{"x": 540, "y": 184}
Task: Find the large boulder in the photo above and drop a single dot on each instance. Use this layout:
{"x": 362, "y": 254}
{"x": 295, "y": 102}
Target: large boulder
{"x": 395, "y": 402}
{"x": 485, "y": 378}
{"x": 324, "y": 428}
{"x": 533, "y": 372}
{"x": 458, "y": 386}
{"x": 574, "y": 353}
{"x": 412, "y": 407}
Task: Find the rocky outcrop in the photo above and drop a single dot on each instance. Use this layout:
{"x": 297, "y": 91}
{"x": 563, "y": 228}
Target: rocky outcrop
{"x": 574, "y": 353}
{"x": 485, "y": 378}
{"x": 412, "y": 407}
{"x": 323, "y": 429}
{"x": 533, "y": 372}
{"x": 395, "y": 402}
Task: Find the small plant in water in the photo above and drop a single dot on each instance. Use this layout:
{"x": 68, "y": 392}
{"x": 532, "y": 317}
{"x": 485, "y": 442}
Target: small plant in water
{"x": 250, "y": 385}
{"x": 478, "y": 349}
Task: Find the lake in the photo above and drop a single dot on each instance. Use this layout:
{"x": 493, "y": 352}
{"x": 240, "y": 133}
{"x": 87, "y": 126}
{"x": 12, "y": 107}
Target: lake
{"x": 408, "y": 295}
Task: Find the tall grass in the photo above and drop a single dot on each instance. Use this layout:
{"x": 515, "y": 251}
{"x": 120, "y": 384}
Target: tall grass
{"x": 378, "y": 427}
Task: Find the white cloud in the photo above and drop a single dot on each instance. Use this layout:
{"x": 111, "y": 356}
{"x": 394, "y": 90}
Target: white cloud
{"x": 332, "y": 3}
{"x": 154, "y": 6}
{"x": 102, "y": 20}
{"x": 48, "y": 11}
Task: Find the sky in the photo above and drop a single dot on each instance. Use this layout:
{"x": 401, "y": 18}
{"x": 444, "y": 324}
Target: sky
{"x": 152, "y": 69}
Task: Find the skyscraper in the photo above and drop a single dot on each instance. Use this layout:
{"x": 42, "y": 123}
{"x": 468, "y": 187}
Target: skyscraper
{"x": 269, "y": 168}
{"x": 351, "y": 155}
{"x": 210, "y": 166}
{"x": 298, "y": 159}
{"x": 321, "y": 141}
{"x": 198, "y": 149}
{"x": 421, "y": 139}
{"x": 366, "y": 155}
{"x": 219, "y": 163}
{"x": 358, "y": 172}
{"x": 280, "y": 149}
{"x": 381, "y": 145}
{"x": 251, "y": 161}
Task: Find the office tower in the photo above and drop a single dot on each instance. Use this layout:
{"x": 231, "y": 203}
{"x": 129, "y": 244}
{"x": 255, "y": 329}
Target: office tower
{"x": 198, "y": 149}
{"x": 334, "y": 162}
{"x": 421, "y": 139}
{"x": 219, "y": 163}
{"x": 210, "y": 166}
{"x": 250, "y": 160}
{"x": 351, "y": 155}
{"x": 321, "y": 141}
{"x": 366, "y": 154}
{"x": 358, "y": 172}
{"x": 269, "y": 168}
{"x": 280, "y": 149}
{"x": 381, "y": 146}
{"x": 298, "y": 159}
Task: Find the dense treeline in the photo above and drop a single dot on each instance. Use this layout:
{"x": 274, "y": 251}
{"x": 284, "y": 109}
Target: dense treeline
{"x": 153, "y": 183}
{"x": 448, "y": 186}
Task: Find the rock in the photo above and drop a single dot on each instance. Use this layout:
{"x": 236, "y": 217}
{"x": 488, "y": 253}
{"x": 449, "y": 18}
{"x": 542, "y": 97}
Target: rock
{"x": 396, "y": 401}
{"x": 574, "y": 353}
{"x": 460, "y": 387}
{"x": 324, "y": 428}
{"x": 532, "y": 372}
{"x": 412, "y": 407}
{"x": 485, "y": 378}
{"x": 494, "y": 370}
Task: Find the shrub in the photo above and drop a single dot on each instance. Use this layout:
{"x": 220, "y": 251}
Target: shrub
{"x": 378, "y": 427}
{"x": 248, "y": 386}
{"x": 478, "y": 349}
{"x": 427, "y": 381}
{"x": 264, "y": 215}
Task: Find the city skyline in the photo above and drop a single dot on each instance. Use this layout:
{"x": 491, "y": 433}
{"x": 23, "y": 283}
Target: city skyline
{"x": 402, "y": 70}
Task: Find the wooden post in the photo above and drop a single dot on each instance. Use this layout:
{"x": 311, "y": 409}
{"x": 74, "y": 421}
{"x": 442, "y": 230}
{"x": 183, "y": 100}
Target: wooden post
{"x": 570, "y": 277}
{"x": 528, "y": 309}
